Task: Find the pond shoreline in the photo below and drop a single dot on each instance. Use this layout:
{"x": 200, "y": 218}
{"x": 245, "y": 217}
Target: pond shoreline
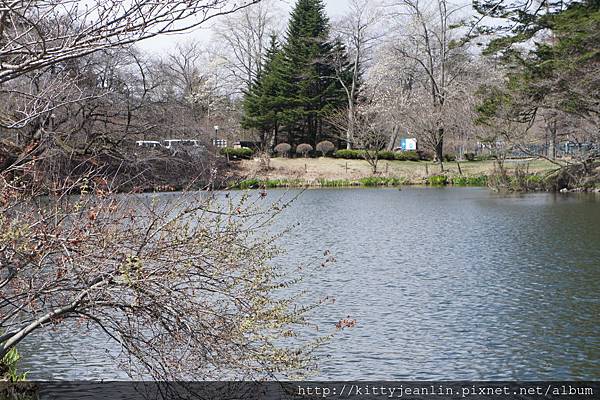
{"x": 516, "y": 175}
{"x": 382, "y": 182}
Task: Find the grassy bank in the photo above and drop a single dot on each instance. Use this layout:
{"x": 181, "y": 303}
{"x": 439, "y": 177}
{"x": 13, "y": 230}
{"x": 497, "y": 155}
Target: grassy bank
{"x": 329, "y": 172}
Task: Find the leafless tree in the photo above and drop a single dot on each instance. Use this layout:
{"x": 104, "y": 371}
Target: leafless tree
{"x": 389, "y": 87}
{"x": 245, "y": 38}
{"x": 429, "y": 37}
{"x": 195, "y": 79}
{"x": 185, "y": 286}
{"x": 44, "y": 33}
{"x": 370, "y": 136}
{"x": 357, "y": 31}
{"x": 71, "y": 82}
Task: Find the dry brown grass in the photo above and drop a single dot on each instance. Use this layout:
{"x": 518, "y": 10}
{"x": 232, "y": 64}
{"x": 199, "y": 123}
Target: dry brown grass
{"x": 312, "y": 169}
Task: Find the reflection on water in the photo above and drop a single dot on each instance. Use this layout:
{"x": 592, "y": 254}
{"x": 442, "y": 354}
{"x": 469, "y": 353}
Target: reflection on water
{"x": 445, "y": 284}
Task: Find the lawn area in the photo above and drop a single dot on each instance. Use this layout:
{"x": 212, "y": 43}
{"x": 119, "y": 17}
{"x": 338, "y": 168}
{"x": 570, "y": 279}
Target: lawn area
{"x": 314, "y": 169}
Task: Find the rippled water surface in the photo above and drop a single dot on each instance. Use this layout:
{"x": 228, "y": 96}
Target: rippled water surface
{"x": 444, "y": 283}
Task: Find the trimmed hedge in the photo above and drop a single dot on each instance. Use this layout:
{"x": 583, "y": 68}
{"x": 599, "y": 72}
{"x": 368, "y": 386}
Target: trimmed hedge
{"x": 407, "y": 156}
{"x": 243, "y": 152}
{"x": 348, "y": 154}
{"x": 304, "y": 149}
{"x": 383, "y": 155}
{"x": 325, "y": 147}
{"x": 283, "y": 148}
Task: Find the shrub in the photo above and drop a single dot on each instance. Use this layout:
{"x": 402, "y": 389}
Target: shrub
{"x": 349, "y": 154}
{"x": 325, "y": 147}
{"x": 407, "y": 156}
{"x": 449, "y": 157}
{"x": 470, "y": 156}
{"x": 425, "y": 155}
{"x": 283, "y": 148}
{"x": 437, "y": 180}
{"x": 359, "y": 155}
{"x": 535, "y": 179}
{"x": 243, "y": 152}
{"x": 304, "y": 149}
{"x": 387, "y": 155}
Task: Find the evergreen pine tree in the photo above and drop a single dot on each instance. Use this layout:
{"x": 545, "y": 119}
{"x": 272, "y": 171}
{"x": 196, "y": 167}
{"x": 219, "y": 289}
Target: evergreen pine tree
{"x": 297, "y": 86}
{"x": 307, "y": 68}
{"x": 264, "y": 102}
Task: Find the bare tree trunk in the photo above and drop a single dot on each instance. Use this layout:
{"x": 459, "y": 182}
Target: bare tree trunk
{"x": 393, "y": 139}
{"x": 350, "y": 131}
{"x": 553, "y": 140}
{"x": 439, "y": 148}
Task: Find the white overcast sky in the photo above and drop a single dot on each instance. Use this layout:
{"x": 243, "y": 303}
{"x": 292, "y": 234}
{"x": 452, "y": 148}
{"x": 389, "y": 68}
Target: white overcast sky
{"x": 164, "y": 43}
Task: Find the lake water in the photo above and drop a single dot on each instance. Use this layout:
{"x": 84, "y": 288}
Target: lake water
{"x": 449, "y": 283}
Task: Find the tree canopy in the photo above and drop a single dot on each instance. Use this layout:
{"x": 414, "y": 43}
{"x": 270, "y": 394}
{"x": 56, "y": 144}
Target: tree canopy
{"x": 298, "y": 86}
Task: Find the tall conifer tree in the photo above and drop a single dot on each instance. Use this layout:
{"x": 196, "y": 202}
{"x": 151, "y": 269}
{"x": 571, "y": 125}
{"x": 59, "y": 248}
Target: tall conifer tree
{"x": 264, "y": 102}
{"x": 298, "y": 85}
{"x": 308, "y": 55}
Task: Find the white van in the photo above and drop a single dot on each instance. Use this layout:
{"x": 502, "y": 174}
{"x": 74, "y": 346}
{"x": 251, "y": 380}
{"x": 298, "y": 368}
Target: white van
{"x": 171, "y": 143}
{"x": 148, "y": 143}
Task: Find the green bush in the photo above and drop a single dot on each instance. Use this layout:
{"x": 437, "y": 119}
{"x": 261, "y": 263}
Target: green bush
{"x": 387, "y": 155}
{"x": 470, "y": 156}
{"x": 407, "y": 156}
{"x": 243, "y": 152}
{"x": 349, "y": 154}
{"x": 437, "y": 180}
{"x": 382, "y": 155}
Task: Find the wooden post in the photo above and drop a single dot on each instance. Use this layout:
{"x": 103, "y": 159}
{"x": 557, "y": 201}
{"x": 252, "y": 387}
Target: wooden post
{"x": 305, "y": 168}
{"x": 426, "y": 170}
{"x": 346, "y": 166}
{"x": 459, "y": 170}
{"x": 386, "y": 167}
